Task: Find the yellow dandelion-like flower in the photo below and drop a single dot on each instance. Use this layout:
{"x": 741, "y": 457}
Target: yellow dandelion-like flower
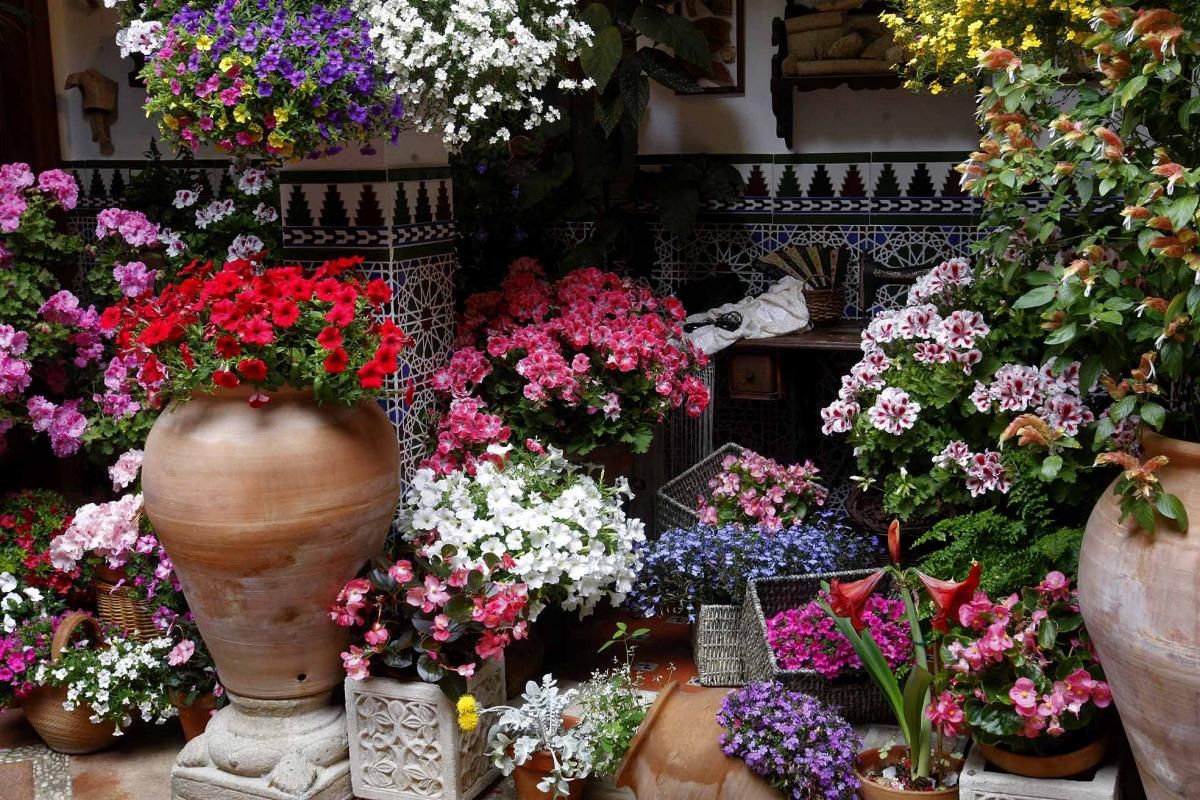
{"x": 468, "y": 712}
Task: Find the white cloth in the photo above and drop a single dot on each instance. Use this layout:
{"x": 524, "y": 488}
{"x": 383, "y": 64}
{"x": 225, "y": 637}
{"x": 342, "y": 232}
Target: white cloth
{"x": 779, "y": 310}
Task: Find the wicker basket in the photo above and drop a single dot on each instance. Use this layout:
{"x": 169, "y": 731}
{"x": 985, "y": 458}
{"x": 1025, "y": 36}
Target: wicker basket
{"x": 859, "y": 698}
{"x": 122, "y": 608}
{"x": 824, "y": 305}
{"x": 676, "y": 507}
{"x": 65, "y": 731}
{"x": 716, "y": 644}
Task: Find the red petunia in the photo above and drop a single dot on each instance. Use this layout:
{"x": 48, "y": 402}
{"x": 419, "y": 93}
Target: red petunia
{"x": 378, "y": 292}
{"x": 326, "y": 289}
{"x": 330, "y": 338}
{"x": 257, "y": 330}
{"x": 228, "y": 347}
{"x": 223, "y": 283}
{"x": 110, "y": 318}
{"x": 253, "y": 369}
{"x": 336, "y": 361}
{"x": 385, "y": 357}
{"x": 370, "y": 376}
{"x": 156, "y": 332}
{"x": 223, "y": 377}
{"x": 340, "y": 315}
{"x": 185, "y": 353}
{"x": 284, "y": 313}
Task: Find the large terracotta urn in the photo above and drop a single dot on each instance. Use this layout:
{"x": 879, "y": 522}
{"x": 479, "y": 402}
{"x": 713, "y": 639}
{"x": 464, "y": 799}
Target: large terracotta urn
{"x": 1140, "y": 596}
{"x": 266, "y": 513}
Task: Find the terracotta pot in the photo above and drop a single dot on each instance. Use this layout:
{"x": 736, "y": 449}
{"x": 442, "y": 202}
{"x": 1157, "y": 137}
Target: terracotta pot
{"x": 194, "y": 718}
{"x": 676, "y": 754}
{"x": 869, "y": 759}
{"x": 266, "y": 513}
{"x": 527, "y": 776}
{"x": 1141, "y": 602}
{"x": 71, "y": 732}
{"x": 1066, "y": 765}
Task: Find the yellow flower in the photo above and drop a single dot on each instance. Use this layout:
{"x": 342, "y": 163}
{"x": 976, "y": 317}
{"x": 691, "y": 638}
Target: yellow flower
{"x": 170, "y": 122}
{"x": 241, "y": 113}
{"x": 246, "y": 89}
{"x": 204, "y": 42}
{"x": 226, "y": 64}
{"x": 281, "y": 115}
{"x": 222, "y": 122}
{"x": 468, "y": 713}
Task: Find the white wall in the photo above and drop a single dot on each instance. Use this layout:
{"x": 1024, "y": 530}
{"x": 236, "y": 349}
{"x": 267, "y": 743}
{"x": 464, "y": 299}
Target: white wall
{"x": 827, "y": 120}
{"x": 81, "y": 37}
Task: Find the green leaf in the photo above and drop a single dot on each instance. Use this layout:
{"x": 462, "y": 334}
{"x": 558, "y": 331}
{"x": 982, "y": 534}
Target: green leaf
{"x": 1108, "y": 315}
{"x": 635, "y": 91}
{"x": 1037, "y": 297}
{"x": 600, "y": 60}
{"x": 1153, "y": 415}
{"x": 460, "y": 608}
{"x": 1047, "y": 633}
{"x": 1063, "y": 335}
{"x": 676, "y": 32}
{"x": 608, "y": 112}
{"x": 916, "y": 693}
{"x": 1147, "y": 236}
{"x": 1085, "y": 186}
{"x": 1182, "y": 210}
{"x": 1089, "y": 372}
{"x": 1107, "y": 185}
{"x": 596, "y": 16}
{"x": 1123, "y": 408}
{"x": 1132, "y": 88}
{"x": 1187, "y": 110}
{"x": 1143, "y": 514}
{"x": 1173, "y": 508}
{"x": 1051, "y": 466}
{"x": 664, "y": 68}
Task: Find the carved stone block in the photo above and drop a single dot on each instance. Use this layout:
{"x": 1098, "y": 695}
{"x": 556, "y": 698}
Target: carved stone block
{"x": 980, "y": 782}
{"x": 405, "y": 743}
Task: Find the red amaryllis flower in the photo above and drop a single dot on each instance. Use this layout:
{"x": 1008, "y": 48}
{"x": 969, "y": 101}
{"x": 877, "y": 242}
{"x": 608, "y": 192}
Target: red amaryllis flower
{"x": 336, "y": 360}
{"x": 378, "y": 292}
{"x": 253, "y": 369}
{"x": 330, "y": 338}
{"x": 223, "y": 377}
{"x": 949, "y": 596}
{"x": 849, "y": 599}
{"x": 894, "y": 541}
{"x": 228, "y": 347}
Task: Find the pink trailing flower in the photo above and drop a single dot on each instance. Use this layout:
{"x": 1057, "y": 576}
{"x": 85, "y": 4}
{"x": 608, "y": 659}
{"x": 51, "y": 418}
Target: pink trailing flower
{"x": 181, "y": 653}
{"x": 125, "y": 470}
{"x": 108, "y": 529}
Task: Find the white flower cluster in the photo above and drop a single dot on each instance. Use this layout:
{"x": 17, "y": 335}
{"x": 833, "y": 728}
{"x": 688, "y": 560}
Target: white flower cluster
{"x": 461, "y": 66}
{"x": 568, "y": 537}
{"x": 123, "y": 679}
{"x": 18, "y": 604}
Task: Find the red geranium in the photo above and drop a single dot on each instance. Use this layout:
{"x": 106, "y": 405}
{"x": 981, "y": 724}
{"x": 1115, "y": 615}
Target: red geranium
{"x": 221, "y": 326}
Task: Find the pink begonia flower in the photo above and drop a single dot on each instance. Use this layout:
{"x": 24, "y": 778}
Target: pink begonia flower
{"x": 441, "y": 628}
{"x": 945, "y": 713}
{"x": 181, "y": 653}
{"x": 1024, "y": 696}
{"x": 357, "y": 664}
{"x": 377, "y": 635}
{"x": 401, "y": 571}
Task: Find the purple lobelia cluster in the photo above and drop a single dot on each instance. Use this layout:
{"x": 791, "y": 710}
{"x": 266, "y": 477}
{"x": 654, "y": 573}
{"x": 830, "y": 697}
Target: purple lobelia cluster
{"x": 689, "y": 567}
{"x": 795, "y": 742}
{"x": 270, "y": 78}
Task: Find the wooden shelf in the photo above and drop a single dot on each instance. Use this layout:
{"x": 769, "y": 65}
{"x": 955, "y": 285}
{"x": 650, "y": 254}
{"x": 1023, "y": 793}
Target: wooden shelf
{"x": 784, "y": 87}
{"x": 841, "y": 337}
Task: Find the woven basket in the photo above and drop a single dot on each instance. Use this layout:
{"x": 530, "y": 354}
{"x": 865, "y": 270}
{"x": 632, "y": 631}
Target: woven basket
{"x": 859, "y": 698}
{"x": 122, "y": 608}
{"x": 824, "y": 305}
{"x": 676, "y": 507}
{"x": 70, "y": 732}
{"x": 716, "y": 644}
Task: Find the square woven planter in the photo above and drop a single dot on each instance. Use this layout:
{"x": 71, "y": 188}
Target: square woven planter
{"x": 717, "y": 646}
{"x": 676, "y": 500}
{"x": 405, "y": 743}
{"x": 979, "y": 782}
{"x": 859, "y": 698}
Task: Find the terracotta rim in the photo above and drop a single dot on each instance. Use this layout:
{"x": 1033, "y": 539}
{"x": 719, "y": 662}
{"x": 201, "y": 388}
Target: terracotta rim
{"x": 1180, "y": 451}
{"x": 874, "y": 754}
{"x": 665, "y": 695}
{"x": 1065, "y": 765}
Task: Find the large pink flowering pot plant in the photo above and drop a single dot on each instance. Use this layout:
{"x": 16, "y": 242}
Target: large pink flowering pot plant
{"x": 584, "y": 362}
{"x": 1110, "y": 182}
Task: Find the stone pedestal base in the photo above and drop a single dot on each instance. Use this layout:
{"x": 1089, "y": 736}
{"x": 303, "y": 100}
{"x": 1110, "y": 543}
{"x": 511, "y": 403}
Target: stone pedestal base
{"x": 980, "y": 782}
{"x": 267, "y": 750}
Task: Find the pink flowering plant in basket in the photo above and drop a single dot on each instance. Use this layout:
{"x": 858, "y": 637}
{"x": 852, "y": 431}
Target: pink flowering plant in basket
{"x": 755, "y": 490}
{"x": 808, "y": 639}
{"x": 1021, "y": 673}
{"x": 589, "y": 360}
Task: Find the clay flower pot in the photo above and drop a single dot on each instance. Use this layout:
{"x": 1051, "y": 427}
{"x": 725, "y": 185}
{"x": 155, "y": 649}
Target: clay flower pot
{"x": 527, "y": 776}
{"x": 676, "y": 754}
{"x": 869, "y": 760}
{"x": 266, "y": 514}
{"x": 1067, "y": 765}
{"x": 194, "y": 718}
{"x": 1141, "y": 601}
